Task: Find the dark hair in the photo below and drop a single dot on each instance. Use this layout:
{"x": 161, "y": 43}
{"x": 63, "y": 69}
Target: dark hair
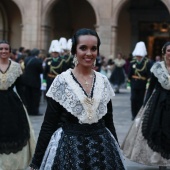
{"x": 6, "y": 42}
{"x": 35, "y": 52}
{"x": 28, "y": 52}
{"x": 164, "y": 47}
{"x": 80, "y": 32}
{"x": 14, "y": 51}
{"x": 21, "y": 49}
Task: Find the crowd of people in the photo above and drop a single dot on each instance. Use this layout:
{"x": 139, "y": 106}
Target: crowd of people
{"x": 39, "y": 70}
{"x": 79, "y": 84}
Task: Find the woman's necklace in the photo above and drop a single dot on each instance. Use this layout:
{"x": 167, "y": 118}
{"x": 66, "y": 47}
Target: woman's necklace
{"x": 86, "y": 83}
{"x": 5, "y": 66}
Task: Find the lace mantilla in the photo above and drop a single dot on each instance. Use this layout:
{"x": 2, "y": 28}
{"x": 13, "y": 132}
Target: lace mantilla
{"x": 160, "y": 71}
{"x": 8, "y": 78}
{"x": 71, "y": 96}
{"x": 119, "y": 62}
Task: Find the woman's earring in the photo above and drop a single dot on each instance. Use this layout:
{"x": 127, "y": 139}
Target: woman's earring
{"x": 164, "y": 57}
{"x": 75, "y": 61}
{"x": 94, "y": 64}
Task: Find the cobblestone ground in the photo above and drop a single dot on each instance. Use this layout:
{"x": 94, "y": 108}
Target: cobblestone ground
{"x": 122, "y": 120}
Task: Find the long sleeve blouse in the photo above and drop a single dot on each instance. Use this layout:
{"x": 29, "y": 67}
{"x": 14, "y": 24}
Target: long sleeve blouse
{"x": 67, "y": 104}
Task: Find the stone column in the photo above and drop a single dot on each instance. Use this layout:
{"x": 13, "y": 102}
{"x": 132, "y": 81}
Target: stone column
{"x": 105, "y": 33}
{"x": 30, "y": 25}
{"x": 45, "y": 41}
{"x": 113, "y": 40}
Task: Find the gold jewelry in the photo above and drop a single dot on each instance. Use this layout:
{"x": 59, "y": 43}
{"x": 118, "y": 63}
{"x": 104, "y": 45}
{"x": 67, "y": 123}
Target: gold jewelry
{"x": 3, "y": 78}
{"x": 94, "y": 64}
{"x": 86, "y": 82}
{"x": 89, "y": 102}
{"x": 75, "y": 61}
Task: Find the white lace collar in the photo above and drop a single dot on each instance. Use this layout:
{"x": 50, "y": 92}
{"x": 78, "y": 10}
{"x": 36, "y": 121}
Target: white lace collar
{"x": 119, "y": 62}
{"x": 160, "y": 71}
{"x": 71, "y": 96}
{"x": 9, "y": 77}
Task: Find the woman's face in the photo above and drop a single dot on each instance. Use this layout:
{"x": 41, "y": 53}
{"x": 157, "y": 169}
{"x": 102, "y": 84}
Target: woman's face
{"x": 86, "y": 50}
{"x": 4, "y": 51}
{"x": 55, "y": 54}
{"x": 167, "y": 53}
{"x": 119, "y": 56}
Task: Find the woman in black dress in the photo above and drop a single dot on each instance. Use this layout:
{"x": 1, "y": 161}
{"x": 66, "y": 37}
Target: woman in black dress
{"x": 17, "y": 141}
{"x": 148, "y": 140}
{"x": 79, "y": 118}
{"x": 117, "y": 77}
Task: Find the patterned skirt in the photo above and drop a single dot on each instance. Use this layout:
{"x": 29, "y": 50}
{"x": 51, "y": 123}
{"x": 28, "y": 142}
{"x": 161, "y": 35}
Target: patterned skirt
{"x": 17, "y": 141}
{"x": 136, "y": 148}
{"x": 82, "y": 147}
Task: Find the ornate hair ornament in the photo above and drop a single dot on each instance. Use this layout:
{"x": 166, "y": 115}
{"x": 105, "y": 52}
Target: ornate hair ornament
{"x": 163, "y": 49}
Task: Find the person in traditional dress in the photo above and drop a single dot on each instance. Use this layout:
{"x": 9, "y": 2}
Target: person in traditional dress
{"x": 117, "y": 77}
{"x": 78, "y": 130}
{"x": 138, "y": 76}
{"x": 17, "y": 141}
{"x": 148, "y": 140}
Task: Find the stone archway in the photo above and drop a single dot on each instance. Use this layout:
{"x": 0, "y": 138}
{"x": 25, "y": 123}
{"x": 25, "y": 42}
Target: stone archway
{"x": 60, "y": 19}
{"x": 11, "y": 28}
{"x": 3, "y": 24}
{"x": 137, "y": 17}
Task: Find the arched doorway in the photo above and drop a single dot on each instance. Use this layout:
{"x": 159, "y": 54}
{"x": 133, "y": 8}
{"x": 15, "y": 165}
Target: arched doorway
{"x": 10, "y": 23}
{"x": 3, "y": 23}
{"x": 144, "y": 20}
{"x": 64, "y": 17}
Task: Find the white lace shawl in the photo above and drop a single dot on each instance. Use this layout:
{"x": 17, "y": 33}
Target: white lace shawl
{"x": 71, "y": 96}
{"x": 119, "y": 62}
{"x": 160, "y": 71}
{"x": 8, "y": 78}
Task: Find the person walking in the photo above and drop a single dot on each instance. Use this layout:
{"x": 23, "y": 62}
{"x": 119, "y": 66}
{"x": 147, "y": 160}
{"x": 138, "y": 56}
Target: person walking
{"x": 148, "y": 140}
{"x": 17, "y": 141}
{"x": 138, "y": 76}
{"x": 78, "y": 131}
{"x": 117, "y": 77}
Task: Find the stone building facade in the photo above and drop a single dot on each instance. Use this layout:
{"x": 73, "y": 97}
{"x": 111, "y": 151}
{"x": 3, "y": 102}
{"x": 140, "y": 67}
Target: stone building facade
{"x": 119, "y": 23}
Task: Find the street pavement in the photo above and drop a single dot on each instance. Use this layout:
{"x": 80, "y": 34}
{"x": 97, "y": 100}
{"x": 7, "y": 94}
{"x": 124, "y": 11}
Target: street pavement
{"x": 122, "y": 121}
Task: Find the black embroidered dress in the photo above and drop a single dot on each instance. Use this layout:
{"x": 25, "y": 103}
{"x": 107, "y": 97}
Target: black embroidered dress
{"x": 16, "y": 136}
{"x": 118, "y": 74}
{"x": 148, "y": 140}
{"x": 81, "y": 126}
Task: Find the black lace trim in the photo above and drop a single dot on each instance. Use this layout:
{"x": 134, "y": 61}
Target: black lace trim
{"x": 34, "y": 167}
{"x": 91, "y": 95}
{"x": 152, "y": 128}
{"x": 7, "y": 68}
{"x": 15, "y": 131}
{"x": 87, "y": 152}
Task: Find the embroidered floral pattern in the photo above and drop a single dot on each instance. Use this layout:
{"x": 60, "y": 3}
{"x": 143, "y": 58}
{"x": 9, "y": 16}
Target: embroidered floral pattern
{"x": 92, "y": 148}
